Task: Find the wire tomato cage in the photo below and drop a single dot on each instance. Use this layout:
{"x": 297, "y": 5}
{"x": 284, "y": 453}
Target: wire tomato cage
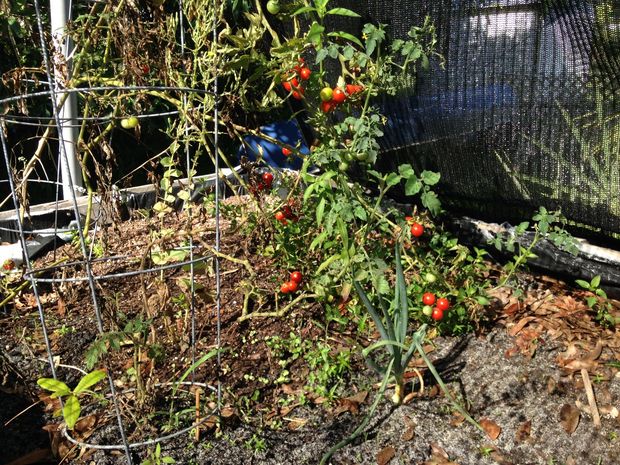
{"x": 93, "y": 272}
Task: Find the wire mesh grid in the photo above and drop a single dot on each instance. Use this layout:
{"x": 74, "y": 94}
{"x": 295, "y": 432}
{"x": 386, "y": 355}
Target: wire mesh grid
{"x": 92, "y": 272}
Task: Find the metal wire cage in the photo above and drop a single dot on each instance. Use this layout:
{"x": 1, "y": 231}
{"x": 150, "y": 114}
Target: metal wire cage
{"x": 97, "y": 277}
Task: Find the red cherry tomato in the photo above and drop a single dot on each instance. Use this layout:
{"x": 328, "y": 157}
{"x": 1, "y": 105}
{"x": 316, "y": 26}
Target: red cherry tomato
{"x": 428, "y": 298}
{"x": 437, "y": 314}
{"x": 292, "y": 286}
{"x": 305, "y": 73}
{"x": 443, "y": 304}
{"x": 296, "y": 277}
{"x": 338, "y": 96}
{"x": 287, "y": 86}
{"x": 267, "y": 178}
{"x": 286, "y": 152}
{"x": 417, "y": 229}
{"x": 280, "y": 216}
{"x": 284, "y": 288}
{"x": 326, "y": 107}
{"x": 298, "y": 95}
{"x": 353, "y": 89}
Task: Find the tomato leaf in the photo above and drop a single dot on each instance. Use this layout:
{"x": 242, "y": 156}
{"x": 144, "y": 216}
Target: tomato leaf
{"x": 431, "y": 201}
{"x": 314, "y": 34}
{"x": 347, "y": 36}
{"x": 320, "y": 209}
{"x": 303, "y": 9}
{"x": 430, "y": 178}
{"x": 413, "y": 186}
{"x": 343, "y": 12}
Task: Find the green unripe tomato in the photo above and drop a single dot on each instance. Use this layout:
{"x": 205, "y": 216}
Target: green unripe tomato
{"x": 361, "y": 156}
{"x": 348, "y": 157}
{"x": 430, "y": 278}
{"x": 427, "y": 310}
{"x": 326, "y": 94}
{"x": 129, "y": 123}
{"x": 343, "y": 166}
{"x": 273, "y": 7}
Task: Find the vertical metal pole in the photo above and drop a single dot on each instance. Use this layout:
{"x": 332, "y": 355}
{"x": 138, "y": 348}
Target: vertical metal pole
{"x": 60, "y": 11}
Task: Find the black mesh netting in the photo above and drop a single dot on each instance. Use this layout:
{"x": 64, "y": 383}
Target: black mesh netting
{"x": 526, "y": 111}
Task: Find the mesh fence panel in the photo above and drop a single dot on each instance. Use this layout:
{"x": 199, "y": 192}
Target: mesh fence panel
{"x": 525, "y": 112}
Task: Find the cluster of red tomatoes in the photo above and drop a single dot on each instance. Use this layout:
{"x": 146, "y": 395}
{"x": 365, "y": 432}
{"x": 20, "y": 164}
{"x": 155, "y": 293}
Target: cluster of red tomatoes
{"x": 292, "y": 84}
{"x": 441, "y": 305}
{"x": 292, "y": 284}
{"x": 286, "y": 214}
{"x": 331, "y": 98}
{"x": 264, "y": 184}
{"x": 8, "y": 265}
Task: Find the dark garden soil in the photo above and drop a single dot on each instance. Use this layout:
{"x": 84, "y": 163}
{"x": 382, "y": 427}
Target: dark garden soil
{"x": 543, "y": 378}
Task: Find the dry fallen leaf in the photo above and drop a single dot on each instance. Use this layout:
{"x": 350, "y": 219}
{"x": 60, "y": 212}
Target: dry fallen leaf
{"x": 438, "y": 456}
{"x": 385, "y": 455}
{"x": 569, "y": 418}
{"x": 524, "y": 431}
{"x": 409, "y": 431}
{"x": 491, "y": 428}
{"x": 350, "y": 404}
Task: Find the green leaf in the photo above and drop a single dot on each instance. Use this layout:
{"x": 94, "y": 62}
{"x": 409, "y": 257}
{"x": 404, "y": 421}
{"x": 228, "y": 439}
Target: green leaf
{"x": 193, "y": 367}
{"x": 303, "y": 9}
{"x": 483, "y": 300}
{"x": 315, "y": 33}
{"x": 371, "y": 310}
{"x": 392, "y": 179}
{"x": 71, "y": 411}
{"x": 431, "y": 201}
{"x": 320, "y": 209}
{"x": 57, "y": 387}
{"x": 430, "y": 178}
{"x": 318, "y": 240}
{"x": 321, "y": 55}
{"x": 168, "y": 460}
{"x": 346, "y": 36}
{"x": 596, "y": 281}
{"x": 406, "y": 171}
{"x": 360, "y": 212}
{"x": 327, "y": 262}
{"x": 401, "y": 297}
{"x": 89, "y": 380}
{"x": 412, "y": 186}
{"x": 343, "y": 12}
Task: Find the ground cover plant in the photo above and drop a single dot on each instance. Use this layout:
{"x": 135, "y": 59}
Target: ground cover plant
{"x": 321, "y": 273}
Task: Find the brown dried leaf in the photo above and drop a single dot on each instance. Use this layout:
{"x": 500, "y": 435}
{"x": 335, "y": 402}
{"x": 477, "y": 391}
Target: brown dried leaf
{"x": 61, "y": 308}
{"x": 385, "y": 455}
{"x": 409, "y": 432}
{"x": 524, "y": 431}
{"x": 499, "y": 458}
{"x": 227, "y": 412}
{"x": 569, "y": 418}
{"x": 85, "y": 424}
{"x": 492, "y": 429}
{"x": 520, "y": 325}
{"x": 296, "y": 423}
{"x": 438, "y": 456}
